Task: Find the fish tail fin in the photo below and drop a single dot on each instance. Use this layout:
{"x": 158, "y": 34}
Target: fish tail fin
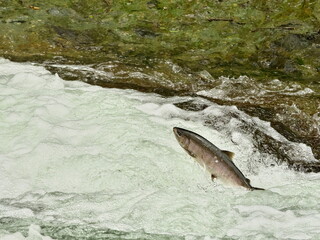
{"x": 255, "y": 188}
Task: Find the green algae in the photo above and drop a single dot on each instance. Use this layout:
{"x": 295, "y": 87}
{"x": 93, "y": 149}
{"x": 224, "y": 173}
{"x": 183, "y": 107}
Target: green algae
{"x": 247, "y": 34}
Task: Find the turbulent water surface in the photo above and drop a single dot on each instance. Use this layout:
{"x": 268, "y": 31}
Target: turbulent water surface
{"x": 80, "y": 161}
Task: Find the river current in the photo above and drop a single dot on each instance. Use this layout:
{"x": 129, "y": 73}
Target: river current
{"x": 83, "y": 162}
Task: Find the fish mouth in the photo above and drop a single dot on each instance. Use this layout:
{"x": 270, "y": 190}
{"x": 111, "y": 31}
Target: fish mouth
{"x": 177, "y": 131}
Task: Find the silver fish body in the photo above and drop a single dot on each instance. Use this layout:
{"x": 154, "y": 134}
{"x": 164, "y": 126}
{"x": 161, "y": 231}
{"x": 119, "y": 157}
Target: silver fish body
{"x": 217, "y": 162}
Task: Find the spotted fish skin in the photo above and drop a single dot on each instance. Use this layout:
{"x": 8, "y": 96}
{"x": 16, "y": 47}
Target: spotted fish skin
{"x": 216, "y": 161}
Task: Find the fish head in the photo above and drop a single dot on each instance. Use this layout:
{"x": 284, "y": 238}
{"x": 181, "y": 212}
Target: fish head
{"x": 182, "y": 137}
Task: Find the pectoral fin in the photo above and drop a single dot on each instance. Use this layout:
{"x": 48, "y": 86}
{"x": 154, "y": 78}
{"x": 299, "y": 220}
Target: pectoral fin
{"x": 190, "y": 153}
{"x": 228, "y": 153}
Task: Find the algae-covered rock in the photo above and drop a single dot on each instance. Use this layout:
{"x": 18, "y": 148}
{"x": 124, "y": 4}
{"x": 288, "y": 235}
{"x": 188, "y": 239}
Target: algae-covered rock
{"x": 224, "y": 37}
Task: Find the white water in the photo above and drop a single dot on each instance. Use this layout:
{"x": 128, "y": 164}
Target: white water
{"x": 77, "y": 159}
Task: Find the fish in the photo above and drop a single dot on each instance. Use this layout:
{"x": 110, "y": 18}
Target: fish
{"x": 216, "y": 161}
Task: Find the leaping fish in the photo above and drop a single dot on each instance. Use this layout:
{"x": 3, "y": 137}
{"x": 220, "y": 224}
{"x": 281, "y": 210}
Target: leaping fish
{"x": 218, "y": 162}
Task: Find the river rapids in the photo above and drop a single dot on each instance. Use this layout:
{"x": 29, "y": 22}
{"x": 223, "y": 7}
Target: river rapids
{"x": 79, "y": 161}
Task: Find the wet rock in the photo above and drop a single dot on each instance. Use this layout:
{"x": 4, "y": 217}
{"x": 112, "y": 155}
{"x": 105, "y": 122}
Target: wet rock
{"x": 294, "y": 41}
{"x": 17, "y": 20}
{"x": 289, "y": 67}
{"x": 75, "y": 37}
{"x": 153, "y": 4}
{"x": 191, "y": 106}
{"x": 291, "y": 122}
{"x": 61, "y": 12}
{"x": 146, "y": 33}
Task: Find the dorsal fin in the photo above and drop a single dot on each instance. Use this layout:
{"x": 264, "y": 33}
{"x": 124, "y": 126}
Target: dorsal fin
{"x": 228, "y": 153}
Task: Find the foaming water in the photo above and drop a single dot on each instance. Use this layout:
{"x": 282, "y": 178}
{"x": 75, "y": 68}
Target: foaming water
{"x": 82, "y": 161}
